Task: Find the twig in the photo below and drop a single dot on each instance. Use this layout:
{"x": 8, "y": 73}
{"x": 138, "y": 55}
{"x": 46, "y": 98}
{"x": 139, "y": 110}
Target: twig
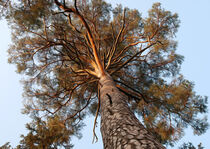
{"x": 130, "y": 59}
{"x": 113, "y": 49}
{"x": 96, "y": 116}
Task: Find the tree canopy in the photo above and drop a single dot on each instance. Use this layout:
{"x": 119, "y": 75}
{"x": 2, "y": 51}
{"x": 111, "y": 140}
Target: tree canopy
{"x": 55, "y": 49}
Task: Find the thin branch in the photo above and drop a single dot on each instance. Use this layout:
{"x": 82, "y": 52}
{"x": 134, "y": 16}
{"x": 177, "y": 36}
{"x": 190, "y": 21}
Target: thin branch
{"x": 130, "y": 59}
{"x": 75, "y": 5}
{"x": 162, "y": 63}
{"x": 70, "y": 95}
{"x": 88, "y": 101}
{"x": 41, "y": 48}
{"x": 76, "y": 12}
{"x": 25, "y": 28}
{"x": 118, "y": 62}
{"x": 113, "y": 49}
{"x": 73, "y": 27}
{"x": 136, "y": 92}
{"x": 4, "y": 6}
{"x": 96, "y": 116}
{"x": 45, "y": 29}
{"x": 44, "y": 67}
{"x": 127, "y": 47}
{"x": 127, "y": 92}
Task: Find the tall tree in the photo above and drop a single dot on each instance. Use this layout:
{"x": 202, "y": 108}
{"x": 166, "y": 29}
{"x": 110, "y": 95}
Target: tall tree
{"x": 85, "y": 57}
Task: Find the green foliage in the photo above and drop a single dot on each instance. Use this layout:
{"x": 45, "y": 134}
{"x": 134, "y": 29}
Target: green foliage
{"x": 52, "y": 50}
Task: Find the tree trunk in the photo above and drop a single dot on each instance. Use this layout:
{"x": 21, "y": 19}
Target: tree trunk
{"x": 119, "y": 126}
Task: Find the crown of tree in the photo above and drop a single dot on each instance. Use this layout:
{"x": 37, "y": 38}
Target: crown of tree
{"x": 63, "y": 48}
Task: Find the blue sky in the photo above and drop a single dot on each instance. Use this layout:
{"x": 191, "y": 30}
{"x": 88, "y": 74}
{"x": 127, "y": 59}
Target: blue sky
{"x": 193, "y": 42}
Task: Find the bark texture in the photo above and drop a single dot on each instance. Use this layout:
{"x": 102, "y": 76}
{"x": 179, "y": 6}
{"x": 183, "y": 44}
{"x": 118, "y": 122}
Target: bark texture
{"x": 119, "y": 126}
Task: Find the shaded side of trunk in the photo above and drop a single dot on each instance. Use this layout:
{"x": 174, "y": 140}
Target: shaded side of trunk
{"x": 119, "y": 126}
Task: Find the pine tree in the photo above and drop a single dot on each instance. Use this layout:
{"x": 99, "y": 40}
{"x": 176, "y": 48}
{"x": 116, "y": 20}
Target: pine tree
{"x": 81, "y": 58}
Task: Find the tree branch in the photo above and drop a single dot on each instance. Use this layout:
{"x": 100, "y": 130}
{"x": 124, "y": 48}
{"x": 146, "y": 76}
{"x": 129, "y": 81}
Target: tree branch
{"x": 130, "y": 59}
{"x": 134, "y": 91}
{"x": 113, "y": 49}
{"x": 76, "y": 12}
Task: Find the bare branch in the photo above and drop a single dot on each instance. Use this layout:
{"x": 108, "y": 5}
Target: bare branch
{"x": 73, "y": 115}
{"x": 113, "y": 49}
{"x": 130, "y": 59}
{"x": 76, "y": 12}
{"x": 25, "y": 28}
{"x": 63, "y": 7}
{"x": 96, "y": 116}
{"x": 75, "y": 5}
{"x": 134, "y": 91}
{"x": 127, "y": 92}
{"x": 162, "y": 63}
{"x": 127, "y": 47}
{"x": 45, "y": 29}
{"x": 73, "y": 27}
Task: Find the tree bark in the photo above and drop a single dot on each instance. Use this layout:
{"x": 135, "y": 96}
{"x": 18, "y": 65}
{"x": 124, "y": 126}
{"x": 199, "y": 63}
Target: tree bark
{"x": 119, "y": 126}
